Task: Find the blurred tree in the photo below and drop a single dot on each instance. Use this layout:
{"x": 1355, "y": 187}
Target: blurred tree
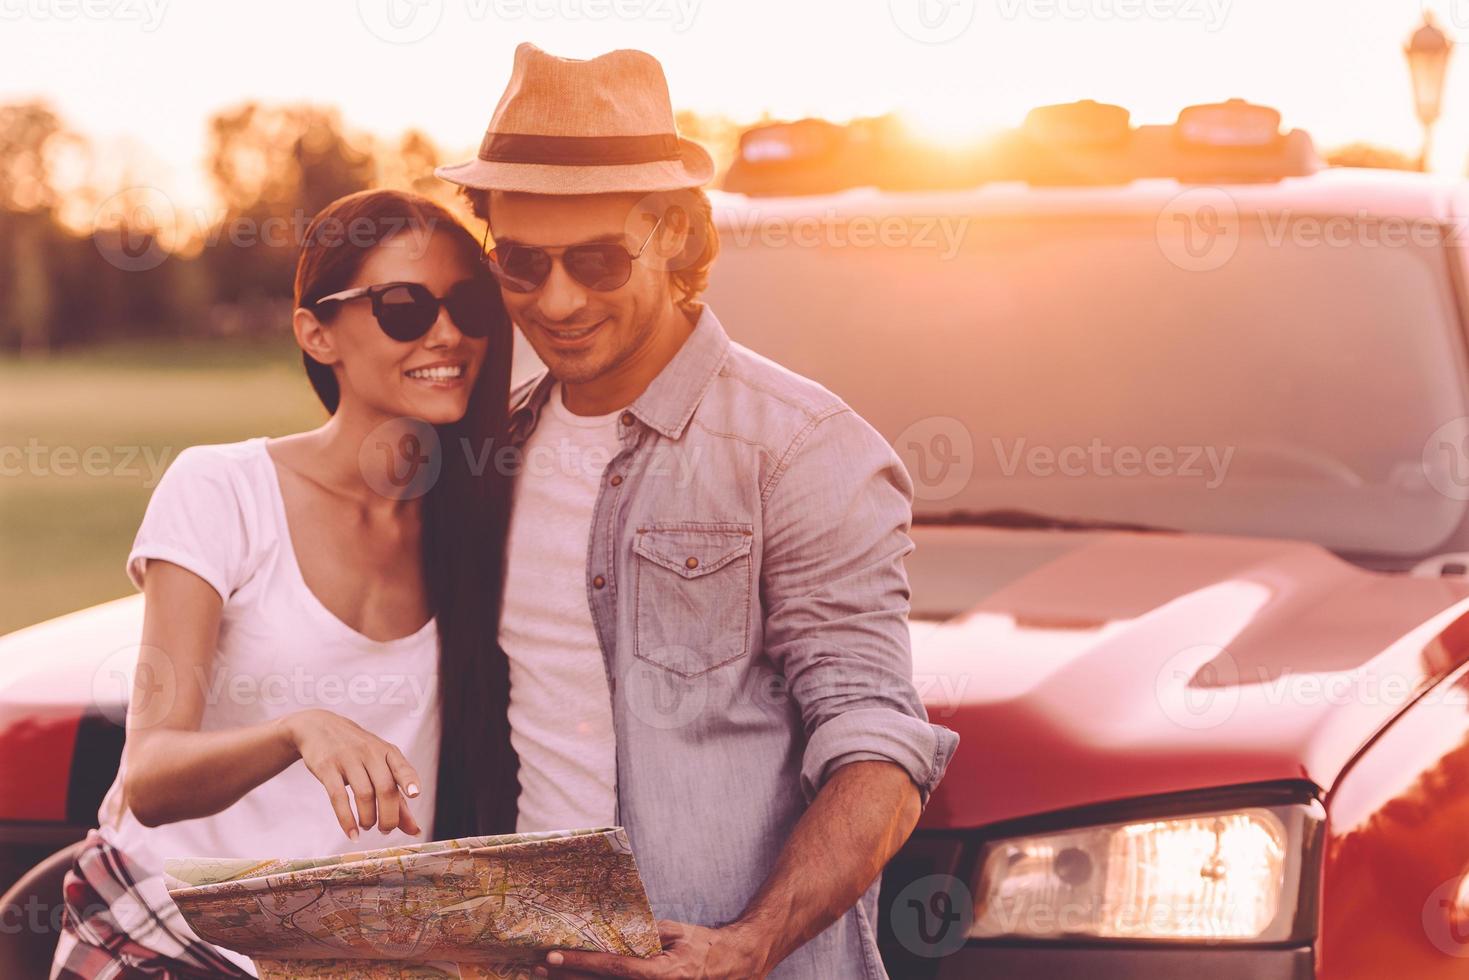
{"x": 29, "y": 307}
{"x": 720, "y": 135}
{"x": 409, "y": 164}
{"x": 275, "y": 157}
{"x": 1370, "y": 155}
{"x": 273, "y": 168}
{"x": 31, "y": 137}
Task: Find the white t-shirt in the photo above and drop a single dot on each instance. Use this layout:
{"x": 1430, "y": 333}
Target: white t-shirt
{"x": 218, "y": 512}
{"x": 560, "y": 702}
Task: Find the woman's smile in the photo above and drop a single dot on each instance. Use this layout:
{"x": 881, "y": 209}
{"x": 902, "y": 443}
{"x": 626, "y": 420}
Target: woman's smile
{"x": 439, "y": 374}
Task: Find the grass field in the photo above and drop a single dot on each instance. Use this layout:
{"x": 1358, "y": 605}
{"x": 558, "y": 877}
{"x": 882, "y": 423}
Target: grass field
{"x": 84, "y": 436}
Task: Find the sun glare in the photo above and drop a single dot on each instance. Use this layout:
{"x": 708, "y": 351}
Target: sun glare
{"x": 955, "y": 125}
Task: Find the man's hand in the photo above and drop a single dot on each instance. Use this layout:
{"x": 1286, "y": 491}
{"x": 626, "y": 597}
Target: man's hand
{"x": 730, "y": 953}
{"x": 860, "y": 818}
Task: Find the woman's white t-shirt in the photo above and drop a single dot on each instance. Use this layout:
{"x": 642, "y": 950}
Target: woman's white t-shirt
{"x": 218, "y": 512}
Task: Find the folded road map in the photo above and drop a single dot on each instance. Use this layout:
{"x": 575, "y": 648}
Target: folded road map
{"x": 477, "y": 908}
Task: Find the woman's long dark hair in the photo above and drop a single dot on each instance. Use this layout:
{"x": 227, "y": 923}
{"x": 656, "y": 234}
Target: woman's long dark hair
{"x": 464, "y": 517}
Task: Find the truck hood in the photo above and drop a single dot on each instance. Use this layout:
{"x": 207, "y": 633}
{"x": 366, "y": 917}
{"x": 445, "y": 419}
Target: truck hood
{"x": 1077, "y": 668}
{"x": 1097, "y": 667}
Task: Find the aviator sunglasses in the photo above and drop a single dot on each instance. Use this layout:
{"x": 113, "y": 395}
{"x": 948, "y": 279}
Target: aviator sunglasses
{"x": 406, "y": 310}
{"x": 600, "y": 266}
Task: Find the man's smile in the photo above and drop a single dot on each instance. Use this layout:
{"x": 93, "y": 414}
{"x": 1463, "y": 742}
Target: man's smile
{"x": 571, "y": 339}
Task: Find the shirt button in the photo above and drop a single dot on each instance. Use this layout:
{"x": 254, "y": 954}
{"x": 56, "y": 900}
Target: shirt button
{"x": 627, "y": 418}
{"x": 616, "y": 480}
{"x": 598, "y": 582}
{"x": 692, "y": 562}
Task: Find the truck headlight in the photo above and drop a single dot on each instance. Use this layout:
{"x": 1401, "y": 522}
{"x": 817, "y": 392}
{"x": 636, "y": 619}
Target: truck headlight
{"x": 1220, "y": 876}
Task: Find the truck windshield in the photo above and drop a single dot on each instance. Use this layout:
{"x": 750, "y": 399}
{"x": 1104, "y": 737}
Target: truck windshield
{"x": 1300, "y": 386}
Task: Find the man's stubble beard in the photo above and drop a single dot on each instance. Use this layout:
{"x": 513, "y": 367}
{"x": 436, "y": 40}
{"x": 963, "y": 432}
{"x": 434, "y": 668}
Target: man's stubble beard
{"x": 580, "y": 371}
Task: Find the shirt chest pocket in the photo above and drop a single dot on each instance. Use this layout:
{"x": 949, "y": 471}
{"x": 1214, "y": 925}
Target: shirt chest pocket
{"x": 693, "y": 588}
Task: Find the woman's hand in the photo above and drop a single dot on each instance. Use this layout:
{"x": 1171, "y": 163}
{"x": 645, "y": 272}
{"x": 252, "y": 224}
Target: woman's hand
{"x": 340, "y": 753}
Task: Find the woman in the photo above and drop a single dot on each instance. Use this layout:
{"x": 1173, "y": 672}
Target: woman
{"x": 318, "y": 652}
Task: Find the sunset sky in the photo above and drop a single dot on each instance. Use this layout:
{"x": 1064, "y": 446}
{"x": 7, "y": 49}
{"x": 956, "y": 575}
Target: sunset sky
{"x": 142, "y": 76}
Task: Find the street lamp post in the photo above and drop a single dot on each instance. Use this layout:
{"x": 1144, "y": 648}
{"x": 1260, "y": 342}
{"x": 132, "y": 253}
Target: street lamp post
{"x": 1427, "y": 51}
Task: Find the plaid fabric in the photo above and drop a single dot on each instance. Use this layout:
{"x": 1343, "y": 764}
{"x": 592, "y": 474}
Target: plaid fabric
{"x": 120, "y": 925}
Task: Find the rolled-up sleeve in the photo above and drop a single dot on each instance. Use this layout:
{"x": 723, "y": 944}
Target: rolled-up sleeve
{"x": 837, "y": 513}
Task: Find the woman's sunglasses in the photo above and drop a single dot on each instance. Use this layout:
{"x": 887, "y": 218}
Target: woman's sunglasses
{"x": 600, "y": 266}
{"x": 406, "y": 310}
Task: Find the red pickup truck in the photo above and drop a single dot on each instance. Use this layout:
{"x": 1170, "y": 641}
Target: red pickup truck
{"x": 1188, "y": 421}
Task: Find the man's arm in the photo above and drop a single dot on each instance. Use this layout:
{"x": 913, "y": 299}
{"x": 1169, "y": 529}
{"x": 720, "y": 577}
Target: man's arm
{"x": 835, "y": 594}
{"x": 859, "y": 820}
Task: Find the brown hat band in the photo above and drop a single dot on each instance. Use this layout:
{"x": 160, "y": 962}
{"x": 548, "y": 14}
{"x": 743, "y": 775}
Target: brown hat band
{"x": 578, "y": 151}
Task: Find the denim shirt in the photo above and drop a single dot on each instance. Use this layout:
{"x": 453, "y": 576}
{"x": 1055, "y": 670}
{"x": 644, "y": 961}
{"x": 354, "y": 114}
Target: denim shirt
{"x": 746, "y": 581}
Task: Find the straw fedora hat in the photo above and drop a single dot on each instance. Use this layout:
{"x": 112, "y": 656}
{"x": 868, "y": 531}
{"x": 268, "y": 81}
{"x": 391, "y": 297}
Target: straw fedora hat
{"x": 598, "y": 126}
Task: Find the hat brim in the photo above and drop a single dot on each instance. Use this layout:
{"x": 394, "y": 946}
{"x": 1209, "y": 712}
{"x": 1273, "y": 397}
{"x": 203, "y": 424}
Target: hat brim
{"x": 693, "y": 168}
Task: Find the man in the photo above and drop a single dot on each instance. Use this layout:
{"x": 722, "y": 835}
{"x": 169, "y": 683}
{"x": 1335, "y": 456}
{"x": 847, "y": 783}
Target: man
{"x": 705, "y": 611}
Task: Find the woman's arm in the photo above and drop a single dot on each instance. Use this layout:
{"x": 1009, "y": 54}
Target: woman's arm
{"x": 176, "y": 772}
